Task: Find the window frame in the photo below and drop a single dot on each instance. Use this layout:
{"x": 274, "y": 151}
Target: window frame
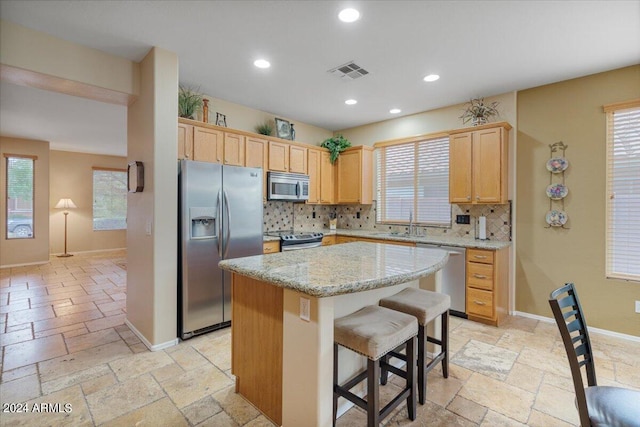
{"x": 611, "y": 271}
{"x": 416, "y": 145}
{"x": 93, "y": 201}
{"x": 33, "y": 159}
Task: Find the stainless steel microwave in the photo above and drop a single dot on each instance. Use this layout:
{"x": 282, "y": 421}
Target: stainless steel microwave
{"x": 287, "y": 186}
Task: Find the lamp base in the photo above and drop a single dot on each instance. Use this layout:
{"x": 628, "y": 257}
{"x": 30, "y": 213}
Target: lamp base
{"x": 64, "y": 255}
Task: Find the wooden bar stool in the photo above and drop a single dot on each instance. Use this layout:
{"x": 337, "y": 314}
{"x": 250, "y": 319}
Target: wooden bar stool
{"x": 372, "y": 332}
{"x": 426, "y": 306}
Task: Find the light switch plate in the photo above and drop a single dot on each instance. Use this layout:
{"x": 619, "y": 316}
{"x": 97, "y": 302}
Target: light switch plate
{"x": 637, "y": 306}
{"x": 305, "y": 309}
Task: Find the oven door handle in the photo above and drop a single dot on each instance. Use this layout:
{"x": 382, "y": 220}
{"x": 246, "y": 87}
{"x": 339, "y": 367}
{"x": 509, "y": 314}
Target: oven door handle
{"x": 298, "y": 189}
{"x": 301, "y": 246}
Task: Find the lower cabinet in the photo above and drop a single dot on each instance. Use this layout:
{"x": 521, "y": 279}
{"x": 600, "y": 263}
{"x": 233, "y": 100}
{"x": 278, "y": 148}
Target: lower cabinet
{"x": 349, "y": 239}
{"x": 271, "y": 247}
{"x": 487, "y": 284}
{"x": 329, "y": 240}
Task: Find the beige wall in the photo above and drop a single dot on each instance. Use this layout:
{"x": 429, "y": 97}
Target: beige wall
{"x": 152, "y": 256}
{"x": 36, "y": 250}
{"x": 570, "y": 111}
{"x": 38, "y": 52}
{"x": 71, "y": 176}
{"x": 246, "y": 119}
{"x": 431, "y": 121}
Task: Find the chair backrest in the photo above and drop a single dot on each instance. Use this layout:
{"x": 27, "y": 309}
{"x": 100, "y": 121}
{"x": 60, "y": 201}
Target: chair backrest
{"x": 573, "y": 329}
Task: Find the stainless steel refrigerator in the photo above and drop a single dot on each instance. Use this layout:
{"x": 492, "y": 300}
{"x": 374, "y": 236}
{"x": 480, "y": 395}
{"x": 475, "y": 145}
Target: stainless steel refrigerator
{"x": 220, "y": 217}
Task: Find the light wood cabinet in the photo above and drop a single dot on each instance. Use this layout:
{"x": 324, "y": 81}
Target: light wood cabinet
{"x": 487, "y": 286}
{"x": 327, "y": 179}
{"x": 255, "y": 156}
{"x": 478, "y": 164}
{"x": 185, "y": 141}
{"x": 207, "y": 144}
{"x": 355, "y": 175}
{"x": 234, "y": 153}
{"x": 329, "y": 240}
{"x": 313, "y": 168}
{"x": 297, "y": 159}
{"x": 349, "y": 239}
{"x": 278, "y": 156}
{"x": 271, "y": 247}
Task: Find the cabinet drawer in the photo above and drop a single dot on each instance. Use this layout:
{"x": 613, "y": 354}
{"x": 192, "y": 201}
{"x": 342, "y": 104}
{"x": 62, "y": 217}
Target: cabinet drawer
{"x": 271, "y": 247}
{"x": 480, "y": 255}
{"x": 480, "y": 275}
{"x": 480, "y": 302}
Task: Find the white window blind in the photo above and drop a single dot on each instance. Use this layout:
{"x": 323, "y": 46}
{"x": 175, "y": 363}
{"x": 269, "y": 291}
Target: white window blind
{"x": 414, "y": 178}
{"x": 623, "y": 193}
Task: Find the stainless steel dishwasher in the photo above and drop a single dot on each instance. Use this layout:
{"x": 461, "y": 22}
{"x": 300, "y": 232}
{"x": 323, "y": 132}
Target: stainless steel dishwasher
{"x": 453, "y": 277}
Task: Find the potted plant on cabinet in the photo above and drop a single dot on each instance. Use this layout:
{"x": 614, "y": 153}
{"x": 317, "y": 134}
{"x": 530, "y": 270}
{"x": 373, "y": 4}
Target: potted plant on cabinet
{"x": 189, "y": 102}
{"x": 264, "y": 128}
{"x": 335, "y": 145}
{"x": 478, "y": 112}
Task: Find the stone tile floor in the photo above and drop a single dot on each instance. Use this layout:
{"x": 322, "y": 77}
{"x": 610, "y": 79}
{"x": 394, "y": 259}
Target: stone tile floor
{"x": 64, "y": 341}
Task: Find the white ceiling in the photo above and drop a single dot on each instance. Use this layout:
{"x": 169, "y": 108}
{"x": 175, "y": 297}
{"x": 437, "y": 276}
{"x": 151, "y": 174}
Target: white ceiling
{"x": 479, "y": 48}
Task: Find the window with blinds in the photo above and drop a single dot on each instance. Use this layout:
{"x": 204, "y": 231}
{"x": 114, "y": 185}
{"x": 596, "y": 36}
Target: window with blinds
{"x": 109, "y": 199}
{"x": 413, "y": 178}
{"x": 623, "y": 192}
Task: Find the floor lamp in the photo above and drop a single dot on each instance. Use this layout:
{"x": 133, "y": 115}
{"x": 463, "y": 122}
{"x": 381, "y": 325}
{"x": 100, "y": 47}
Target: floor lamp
{"x": 65, "y": 204}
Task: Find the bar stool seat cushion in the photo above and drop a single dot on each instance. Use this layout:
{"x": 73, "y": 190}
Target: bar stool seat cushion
{"x": 613, "y": 406}
{"x": 373, "y": 331}
{"x": 424, "y": 305}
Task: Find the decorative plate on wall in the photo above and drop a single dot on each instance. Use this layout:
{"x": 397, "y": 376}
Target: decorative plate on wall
{"x": 557, "y": 191}
{"x": 557, "y": 164}
{"x": 556, "y": 218}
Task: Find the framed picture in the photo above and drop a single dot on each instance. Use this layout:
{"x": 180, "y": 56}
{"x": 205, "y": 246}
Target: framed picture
{"x": 135, "y": 177}
{"x": 283, "y": 129}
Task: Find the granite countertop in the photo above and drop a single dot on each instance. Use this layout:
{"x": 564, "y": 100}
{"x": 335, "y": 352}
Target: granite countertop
{"x": 462, "y": 242}
{"x": 340, "y": 269}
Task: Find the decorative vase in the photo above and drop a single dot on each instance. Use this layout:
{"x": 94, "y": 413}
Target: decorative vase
{"x": 205, "y": 110}
{"x": 479, "y": 120}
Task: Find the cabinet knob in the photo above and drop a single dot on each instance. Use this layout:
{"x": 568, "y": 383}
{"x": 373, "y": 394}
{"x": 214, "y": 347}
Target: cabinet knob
{"x": 479, "y": 276}
{"x": 468, "y": 197}
{"x": 186, "y": 155}
{"x": 480, "y": 256}
{"x": 477, "y": 197}
{"x": 480, "y": 302}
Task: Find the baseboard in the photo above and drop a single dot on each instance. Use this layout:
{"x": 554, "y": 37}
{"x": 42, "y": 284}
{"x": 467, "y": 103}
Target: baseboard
{"x": 26, "y": 264}
{"x": 146, "y": 342}
{"x": 89, "y": 252}
{"x": 606, "y": 332}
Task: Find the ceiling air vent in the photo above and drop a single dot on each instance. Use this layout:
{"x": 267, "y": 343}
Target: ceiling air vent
{"x": 349, "y": 71}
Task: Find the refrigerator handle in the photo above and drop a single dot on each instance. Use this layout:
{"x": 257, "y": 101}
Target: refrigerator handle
{"x": 219, "y": 210}
{"x": 226, "y": 225}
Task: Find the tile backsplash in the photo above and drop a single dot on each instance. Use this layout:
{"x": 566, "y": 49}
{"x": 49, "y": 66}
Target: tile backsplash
{"x": 282, "y": 216}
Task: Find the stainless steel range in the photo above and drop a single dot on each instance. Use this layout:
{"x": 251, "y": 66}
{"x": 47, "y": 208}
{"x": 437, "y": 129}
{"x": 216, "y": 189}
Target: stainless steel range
{"x": 290, "y": 241}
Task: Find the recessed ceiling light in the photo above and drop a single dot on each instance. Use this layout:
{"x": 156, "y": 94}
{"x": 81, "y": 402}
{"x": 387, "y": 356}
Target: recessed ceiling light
{"x": 431, "y": 78}
{"x": 262, "y": 63}
{"x": 349, "y": 15}
{"x": 395, "y": 110}
{"x": 350, "y": 102}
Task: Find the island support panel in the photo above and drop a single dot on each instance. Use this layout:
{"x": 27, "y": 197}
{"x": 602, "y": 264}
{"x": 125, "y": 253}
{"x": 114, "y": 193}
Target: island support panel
{"x": 256, "y": 342}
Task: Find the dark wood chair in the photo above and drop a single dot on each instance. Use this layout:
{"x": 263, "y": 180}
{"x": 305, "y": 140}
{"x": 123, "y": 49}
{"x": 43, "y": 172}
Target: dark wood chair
{"x": 597, "y": 405}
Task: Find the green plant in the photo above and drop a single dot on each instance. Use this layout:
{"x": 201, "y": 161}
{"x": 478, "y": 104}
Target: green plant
{"x": 479, "y": 112}
{"x": 265, "y": 128}
{"x": 335, "y": 145}
{"x": 189, "y": 102}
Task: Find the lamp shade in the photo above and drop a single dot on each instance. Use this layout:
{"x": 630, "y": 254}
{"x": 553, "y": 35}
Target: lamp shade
{"x": 66, "y": 204}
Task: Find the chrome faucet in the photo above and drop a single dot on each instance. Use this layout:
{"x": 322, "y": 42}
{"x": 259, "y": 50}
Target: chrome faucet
{"x": 411, "y": 223}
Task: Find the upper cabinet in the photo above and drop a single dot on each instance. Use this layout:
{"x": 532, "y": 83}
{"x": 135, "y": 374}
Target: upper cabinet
{"x": 478, "y": 164}
{"x": 355, "y": 175}
{"x": 321, "y": 177}
{"x": 285, "y": 157}
{"x": 234, "y": 149}
{"x": 255, "y": 156}
{"x": 199, "y": 143}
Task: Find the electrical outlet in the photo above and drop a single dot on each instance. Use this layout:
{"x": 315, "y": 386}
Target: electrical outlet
{"x": 637, "y": 306}
{"x": 358, "y": 215}
{"x": 147, "y": 228}
{"x": 313, "y": 214}
{"x": 305, "y": 309}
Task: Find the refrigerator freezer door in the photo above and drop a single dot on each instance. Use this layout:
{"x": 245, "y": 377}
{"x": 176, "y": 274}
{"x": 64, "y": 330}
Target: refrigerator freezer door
{"x": 201, "y": 295}
{"x": 242, "y": 219}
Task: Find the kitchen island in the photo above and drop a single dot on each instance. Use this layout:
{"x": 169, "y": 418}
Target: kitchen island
{"x": 283, "y": 309}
